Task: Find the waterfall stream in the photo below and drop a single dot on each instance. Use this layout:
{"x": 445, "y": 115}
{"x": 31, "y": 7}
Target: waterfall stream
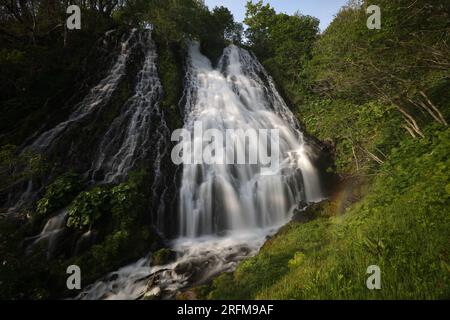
{"x": 93, "y": 102}
{"x": 139, "y": 127}
{"x": 95, "y": 99}
{"x": 50, "y": 233}
{"x": 132, "y": 133}
{"x": 225, "y": 211}
{"x": 240, "y": 95}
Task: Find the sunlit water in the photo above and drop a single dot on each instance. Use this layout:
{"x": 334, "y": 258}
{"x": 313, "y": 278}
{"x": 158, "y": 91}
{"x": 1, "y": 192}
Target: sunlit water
{"x": 239, "y": 94}
{"x": 226, "y": 211}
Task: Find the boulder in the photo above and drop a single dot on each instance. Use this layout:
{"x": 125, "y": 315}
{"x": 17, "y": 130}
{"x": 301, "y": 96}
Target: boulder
{"x": 163, "y": 256}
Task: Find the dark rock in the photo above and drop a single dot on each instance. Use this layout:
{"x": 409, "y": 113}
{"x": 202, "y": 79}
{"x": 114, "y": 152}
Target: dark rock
{"x": 163, "y": 256}
{"x": 310, "y": 212}
{"x": 183, "y": 268}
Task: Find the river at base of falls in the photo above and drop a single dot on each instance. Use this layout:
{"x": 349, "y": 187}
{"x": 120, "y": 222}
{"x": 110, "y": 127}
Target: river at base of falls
{"x": 198, "y": 261}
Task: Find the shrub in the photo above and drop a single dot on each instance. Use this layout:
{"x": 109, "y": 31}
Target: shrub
{"x": 88, "y": 207}
{"x": 58, "y": 194}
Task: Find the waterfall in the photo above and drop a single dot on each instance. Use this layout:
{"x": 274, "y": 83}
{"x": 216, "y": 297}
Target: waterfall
{"x": 139, "y": 127}
{"x": 50, "y": 233}
{"x": 97, "y": 97}
{"x": 94, "y": 100}
{"x": 225, "y": 211}
{"x": 239, "y": 94}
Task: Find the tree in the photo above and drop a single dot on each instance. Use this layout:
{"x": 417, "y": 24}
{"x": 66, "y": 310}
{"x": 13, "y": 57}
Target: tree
{"x": 224, "y": 21}
{"x": 282, "y": 42}
{"x": 259, "y": 18}
{"x": 397, "y": 64}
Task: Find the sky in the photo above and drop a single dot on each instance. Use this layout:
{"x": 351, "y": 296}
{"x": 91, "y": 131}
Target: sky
{"x": 322, "y": 9}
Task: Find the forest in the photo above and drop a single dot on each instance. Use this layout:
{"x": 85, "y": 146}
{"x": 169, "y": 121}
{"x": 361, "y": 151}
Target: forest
{"x": 373, "y": 104}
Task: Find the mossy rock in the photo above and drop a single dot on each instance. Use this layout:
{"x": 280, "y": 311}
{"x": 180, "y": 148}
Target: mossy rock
{"x": 186, "y": 295}
{"x": 163, "y": 256}
{"x": 312, "y": 212}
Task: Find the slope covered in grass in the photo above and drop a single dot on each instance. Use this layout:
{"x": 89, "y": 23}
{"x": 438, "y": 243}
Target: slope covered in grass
{"x": 402, "y": 226}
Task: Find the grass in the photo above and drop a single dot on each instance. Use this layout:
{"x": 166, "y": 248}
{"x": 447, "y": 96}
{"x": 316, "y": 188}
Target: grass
{"x": 402, "y": 226}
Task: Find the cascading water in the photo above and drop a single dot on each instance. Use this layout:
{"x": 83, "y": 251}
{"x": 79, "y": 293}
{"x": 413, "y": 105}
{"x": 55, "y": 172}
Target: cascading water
{"x": 95, "y": 99}
{"x": 50, "y": 234}
{"x": 226, "y": 211}
{"x": 139, "y": 127}
{"x": 240, "y": 95}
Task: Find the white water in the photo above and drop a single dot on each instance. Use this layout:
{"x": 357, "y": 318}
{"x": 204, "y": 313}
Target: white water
{"x": 240, "y": 95}
{"x": 50, "y": 233}
{"x": 139, "y": 127}
{"x": 198, "y": 260}
{"x": 97, "y": 97}
{"x": 24, "y": 198}
{"x": 234, "y": 201}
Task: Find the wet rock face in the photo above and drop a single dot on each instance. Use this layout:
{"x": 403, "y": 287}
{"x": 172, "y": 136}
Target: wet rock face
{"x": 76, "y": 146}
{"x": 153, "y": 294}
{"x": 85, "y": 241}
{"x": 163, "y": 256}
{"x": 323, "y": 155}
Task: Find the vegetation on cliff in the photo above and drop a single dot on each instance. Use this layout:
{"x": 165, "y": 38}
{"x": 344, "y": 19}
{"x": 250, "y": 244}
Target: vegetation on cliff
{"x": 380, "y": 99}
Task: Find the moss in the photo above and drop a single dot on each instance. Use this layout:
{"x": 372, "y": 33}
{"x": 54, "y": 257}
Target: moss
{"x": 163, "y": 256}
{"x": 170, "y": 69}
{"x": 314, "y": 211}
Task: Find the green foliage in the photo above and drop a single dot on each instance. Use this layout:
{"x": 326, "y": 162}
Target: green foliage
{"x": 58, "y": 194}
{"x": 353, "y": 83}
{"x": 88, "y": 207}
{"x": 120, "y": 217}
{"x": 18, "y": 167}
{"x": 349, "y": 84}
{"x": 401, "y": 226}
{"x": 224, "y": 22}
{"x": 13, "y": 56}
{"x": 177, "y": 20}
{"x": 362, "y": 135}
{"x": 117, "y": 249}
{"x": 259, "y": 18}
{"x": 121, "y": 202}
{"x": 297, "y": 260}
{"x": 393, "y": 64}
{"x": 170, "y": 71}
{"x": 282, "y": 42}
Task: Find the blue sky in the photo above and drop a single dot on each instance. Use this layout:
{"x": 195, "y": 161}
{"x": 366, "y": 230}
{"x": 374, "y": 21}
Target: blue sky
{"x": 322, "y": 9}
